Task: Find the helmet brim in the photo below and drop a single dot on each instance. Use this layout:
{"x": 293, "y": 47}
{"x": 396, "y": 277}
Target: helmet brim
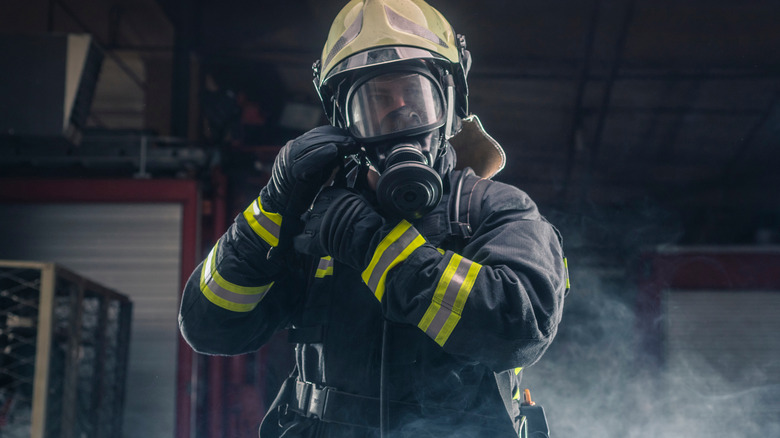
{"x": 378, "y": 57}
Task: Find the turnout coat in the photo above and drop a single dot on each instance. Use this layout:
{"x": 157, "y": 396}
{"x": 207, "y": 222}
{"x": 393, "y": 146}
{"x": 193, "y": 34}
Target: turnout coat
{"x": 433, "y": 323}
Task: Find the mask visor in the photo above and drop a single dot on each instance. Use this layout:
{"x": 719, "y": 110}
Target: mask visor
{"x": 393, "y": 104}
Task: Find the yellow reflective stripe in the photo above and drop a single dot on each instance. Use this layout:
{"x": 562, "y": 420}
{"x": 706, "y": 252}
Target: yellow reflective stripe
{"x": 266, "y": 225}
{"x": 449, "y": 298}
{"x": 566, "y": 265}
{"x": 392, "y": 250}
{"x": 460, "y": 303}
{"x": 225, "y": 294}
{"x": 394, "y": 234}
{"x": 324, "y": 268}
{"x": 518, "y": 369}
{"x": 444, "y": 280}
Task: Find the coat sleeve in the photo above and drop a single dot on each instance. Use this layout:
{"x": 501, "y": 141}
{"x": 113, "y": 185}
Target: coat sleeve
{"x": 237, "y": 298}
{"x": 497, "y": 302}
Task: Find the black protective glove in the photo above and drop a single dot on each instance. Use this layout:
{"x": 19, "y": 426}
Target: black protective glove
{"x": 343, "y": 225}
{"x": 302, "y": 166}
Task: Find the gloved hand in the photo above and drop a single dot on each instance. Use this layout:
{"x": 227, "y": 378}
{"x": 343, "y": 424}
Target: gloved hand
{"x": 302, "y": 166}
{"x": 343, "y": 225}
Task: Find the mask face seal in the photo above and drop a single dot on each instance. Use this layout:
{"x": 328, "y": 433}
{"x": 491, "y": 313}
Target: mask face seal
{"x": 398, "y": 116}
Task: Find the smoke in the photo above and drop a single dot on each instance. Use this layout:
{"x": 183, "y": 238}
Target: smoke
{"x": 596, "y": 381}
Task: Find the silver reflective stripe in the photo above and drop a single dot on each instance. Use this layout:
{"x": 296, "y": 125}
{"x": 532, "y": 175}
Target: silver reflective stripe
{"x": 389, "y": 255}
{"x": 350, "y": 34}
{"x": 324, "y": 268}
{"x": 399, "y": 244}
{"x": 231, "y": 296}
{"x": 271, "y": 226}
{"x": 264, "y": 224}
{"x": 225, "y": 294}
{"x": 403, "y": 24}
{"x": 448, "y": 300}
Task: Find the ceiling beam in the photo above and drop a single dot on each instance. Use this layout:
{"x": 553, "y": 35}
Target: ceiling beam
{"x": 101, "y": 44}
{"x": 575, "y": 130}
{"x": 620, "y": 46}
{"x": 762, "y": 136}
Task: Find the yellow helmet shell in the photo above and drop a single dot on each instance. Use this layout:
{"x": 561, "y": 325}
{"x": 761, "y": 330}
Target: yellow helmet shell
{"x": 367, "y": 24}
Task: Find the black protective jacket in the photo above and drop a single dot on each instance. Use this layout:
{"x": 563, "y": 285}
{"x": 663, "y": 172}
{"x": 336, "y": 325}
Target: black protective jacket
{"x": 457, "y": 312}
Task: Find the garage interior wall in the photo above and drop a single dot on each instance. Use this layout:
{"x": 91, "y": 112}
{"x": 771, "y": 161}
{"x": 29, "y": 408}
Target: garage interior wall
{"x": 697, "y": 338}
{"x": 133, "y": 248}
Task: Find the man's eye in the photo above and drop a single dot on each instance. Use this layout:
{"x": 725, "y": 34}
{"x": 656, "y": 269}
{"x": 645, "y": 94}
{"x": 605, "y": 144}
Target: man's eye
{"x": 381, "y": 99}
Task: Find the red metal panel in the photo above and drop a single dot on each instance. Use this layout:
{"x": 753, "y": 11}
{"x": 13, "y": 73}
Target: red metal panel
{"x": 215, "y": 402}
{"x": 730, "y": 269}
{"x": 216, "y": 364}
{"x": 184, "y": 192}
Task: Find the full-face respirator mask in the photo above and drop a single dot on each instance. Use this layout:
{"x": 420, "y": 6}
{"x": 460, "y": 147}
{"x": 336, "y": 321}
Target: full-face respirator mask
{"x": 400, "y": 118}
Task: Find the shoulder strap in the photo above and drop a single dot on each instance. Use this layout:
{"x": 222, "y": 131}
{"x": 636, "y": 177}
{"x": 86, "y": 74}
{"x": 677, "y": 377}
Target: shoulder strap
{"x": 474, "y": 205}
{"x": 466, "y": 204}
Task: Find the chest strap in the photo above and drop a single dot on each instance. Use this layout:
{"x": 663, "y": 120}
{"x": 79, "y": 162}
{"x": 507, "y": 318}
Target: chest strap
{"x": 330, "y": 405}
{"x": 333, "y": 406}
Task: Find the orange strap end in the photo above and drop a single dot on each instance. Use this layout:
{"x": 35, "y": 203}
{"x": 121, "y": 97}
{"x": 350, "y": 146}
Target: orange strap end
{"x": 527, "y": 398}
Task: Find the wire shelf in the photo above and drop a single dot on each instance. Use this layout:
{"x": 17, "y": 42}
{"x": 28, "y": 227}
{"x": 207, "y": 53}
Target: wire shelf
{"x": 64, "y": 343}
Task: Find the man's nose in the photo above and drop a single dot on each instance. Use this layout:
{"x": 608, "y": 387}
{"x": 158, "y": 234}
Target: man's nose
{"x": 398, "y": 101}
{"x": 403, "y": 117}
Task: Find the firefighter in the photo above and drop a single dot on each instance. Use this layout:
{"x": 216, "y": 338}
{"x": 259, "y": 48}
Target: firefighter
{"x": 414, "y": 288}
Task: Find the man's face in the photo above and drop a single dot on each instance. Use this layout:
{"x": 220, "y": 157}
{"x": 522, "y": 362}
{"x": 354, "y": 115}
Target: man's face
{"x": 394, "y": 104}
{"x": 384, "y": 96}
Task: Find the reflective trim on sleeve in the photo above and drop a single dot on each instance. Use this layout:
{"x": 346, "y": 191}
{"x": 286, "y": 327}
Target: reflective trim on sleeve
{"x": 391, "y": 251}
{"x": 265, "y": 224}
{"x": 449, "y": 298}
{"x": 325, "y": 267}
{"x": 225, "y": 294}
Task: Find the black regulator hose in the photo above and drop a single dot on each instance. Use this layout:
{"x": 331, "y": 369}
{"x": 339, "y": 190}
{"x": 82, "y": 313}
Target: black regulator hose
{"x": 384, "y": 400}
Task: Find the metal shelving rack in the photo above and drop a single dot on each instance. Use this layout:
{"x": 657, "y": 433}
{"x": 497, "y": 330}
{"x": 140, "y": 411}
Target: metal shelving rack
{"x": 64, "y": 343}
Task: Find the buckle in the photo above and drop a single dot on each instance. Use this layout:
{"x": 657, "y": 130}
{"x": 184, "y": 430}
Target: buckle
{"x": 302, "y": 394}
{"x": 317, "y": 401}
{"x": 310, "y": 399}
